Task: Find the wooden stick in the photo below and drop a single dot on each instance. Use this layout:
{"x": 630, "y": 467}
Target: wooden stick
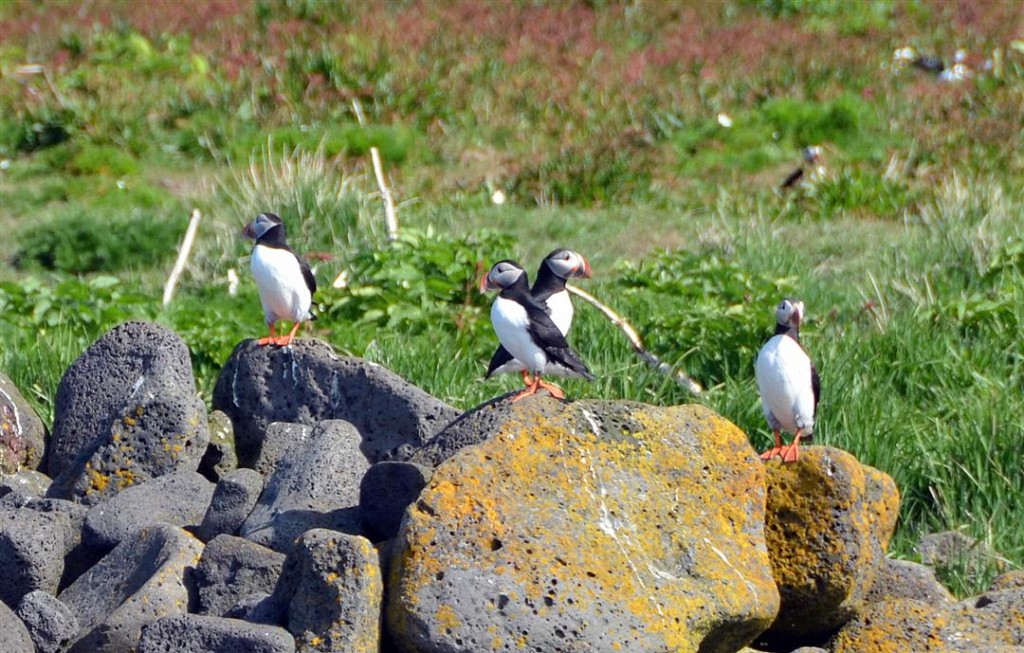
{"x": 378, "y": 170}
{"x": 679, "y": 376}
{"x": 179, "y": 265}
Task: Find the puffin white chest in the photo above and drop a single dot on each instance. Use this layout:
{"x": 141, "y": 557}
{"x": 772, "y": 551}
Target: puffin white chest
{"x": 283, "y": 290}
{"x": 511, "y": 324}
{"x": 783, "y": 373}
{"x": 561, "y": 311}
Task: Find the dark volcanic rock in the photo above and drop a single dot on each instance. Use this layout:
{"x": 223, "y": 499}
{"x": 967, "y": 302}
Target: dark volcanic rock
{"x": 279, "y": 439}
{"x": 231, "y": 571}
{"x": 14, "y": 637}
{"x": 385, "y": 492}
{"x": 315, "y": 485}
{"x": 126, "y": 411}
{"x": 178, "y": 499}
{"x": 332, "y": 585}
{"x": 220, "y": 457}
{"x": 31, "y": 552}
{"x": 472, "y": 427}
{"x": 233, "y": 500}
{"x": 22, "y": 433}
{"x": 189, "y": 633}
{"x": 50, "y": 623}
{"x": 307, "y": 383}
{"x": 141, "y": 580}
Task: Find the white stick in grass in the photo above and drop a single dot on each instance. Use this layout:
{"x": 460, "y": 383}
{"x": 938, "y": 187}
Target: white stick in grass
{"x": 179, "y": 265}
{"x": 679, "y": 376}
{"x": 378, "y": 170}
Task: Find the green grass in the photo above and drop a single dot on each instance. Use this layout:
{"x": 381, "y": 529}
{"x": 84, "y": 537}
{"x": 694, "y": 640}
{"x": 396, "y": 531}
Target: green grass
{"x": 600, "y": 124}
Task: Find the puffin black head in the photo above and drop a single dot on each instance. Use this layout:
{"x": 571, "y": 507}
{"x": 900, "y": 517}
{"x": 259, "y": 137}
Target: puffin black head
{"x": 502, "y": 275}
{"x": 263, "y": 224}
{"x": 788, "y": 315}
{"x": 567, "y": 263}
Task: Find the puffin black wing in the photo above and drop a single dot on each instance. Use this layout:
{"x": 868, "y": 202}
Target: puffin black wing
{"x": 500, "y": 357}
{"x": 816, "y": 387}
{"x": 550, "y": 339}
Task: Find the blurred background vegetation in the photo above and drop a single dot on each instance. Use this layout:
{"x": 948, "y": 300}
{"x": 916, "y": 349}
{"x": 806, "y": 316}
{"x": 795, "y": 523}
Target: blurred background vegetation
{"x": 650, "y": 136}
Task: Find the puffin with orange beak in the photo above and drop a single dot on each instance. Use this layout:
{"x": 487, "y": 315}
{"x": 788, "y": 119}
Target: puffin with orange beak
{"x": 527, "y": 332}
{"x": 549, "y": 290}
{"x": 788, "y": 382}
{"x": 284, "y": 279}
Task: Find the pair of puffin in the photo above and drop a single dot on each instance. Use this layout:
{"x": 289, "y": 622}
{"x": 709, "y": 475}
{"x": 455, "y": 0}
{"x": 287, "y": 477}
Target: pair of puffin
{"x": 285, "y": 281}
{"x": 531, "y": 323}
{"x": 788, "y": 382}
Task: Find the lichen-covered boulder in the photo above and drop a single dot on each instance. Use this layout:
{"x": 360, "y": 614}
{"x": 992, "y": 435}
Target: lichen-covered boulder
{"x": 22, "y": 433}
{"x": 316, "y": 485}
{"x": 902, "y": 625}
{"x": 189, "y": 633}
{"x": 141, "y": 580}
{"x": 126, "y": 411}
{"x": 828, "y": 523}
{"x": 307, "y": 383}
{"x": 332, "y": 586}
{"x": 587, "y": 526}
{"x": 233, "y": 570}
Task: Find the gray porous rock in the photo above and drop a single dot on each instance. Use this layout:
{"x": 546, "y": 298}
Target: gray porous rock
{"x": 316, "y": 485}
{"x": 178, "y": 499}
{"x": 278, "y": 440}
{"x": 232, "y": 570}
{"x": 190, "y": 633}
{"x": 233, "y": 499}
{"x": 32, "y": 547}
{"x": 385, "y": 492}
{"x": 332, "y": 586}
{"x": 50, "y": 623}
{"x": 25, "y": 482}
{"x": 471, "y": 427}
{"x": 308, "y": 382}
{"x": 220, "y": 457}
{"x": 598, "y": 526}
{"x": 126, "y": 411}
{"x": 22, "y": 433}
{"x": 902, "y": 579}
{"x": 144, "y": 578}
{"x": 14, "y": 637}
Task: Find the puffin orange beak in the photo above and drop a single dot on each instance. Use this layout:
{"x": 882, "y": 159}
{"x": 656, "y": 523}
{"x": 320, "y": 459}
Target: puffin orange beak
{"x": 485, "y": 283}
{"x": 249, "y": 232}
{"x": 583, "y": 271}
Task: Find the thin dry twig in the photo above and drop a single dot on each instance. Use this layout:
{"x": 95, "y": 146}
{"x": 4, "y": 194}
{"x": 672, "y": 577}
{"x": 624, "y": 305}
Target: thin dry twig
{"x": 179, "y": 265}
{"x": 378, "y": 170}
{"x": 679, "y": 376}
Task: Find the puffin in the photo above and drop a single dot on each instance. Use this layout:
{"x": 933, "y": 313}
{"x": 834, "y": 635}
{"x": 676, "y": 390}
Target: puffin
{"x": 811, "y": 156}
{"x": 788, "y": 382}
{"x": 525, "y": 329}
{"x": 285, "y": 282}
{"x": 549, "y": 289}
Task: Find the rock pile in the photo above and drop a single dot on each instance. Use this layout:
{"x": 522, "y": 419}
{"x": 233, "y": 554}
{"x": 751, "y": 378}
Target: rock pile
{"x": 368, "y": 516}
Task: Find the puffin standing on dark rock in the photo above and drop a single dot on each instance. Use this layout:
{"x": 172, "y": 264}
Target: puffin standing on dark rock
{"x": 788, "y": 382}
{"x": 526, "y": 330}
{"x": 285, "y": 282}
{"x": 549, "y": 290}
